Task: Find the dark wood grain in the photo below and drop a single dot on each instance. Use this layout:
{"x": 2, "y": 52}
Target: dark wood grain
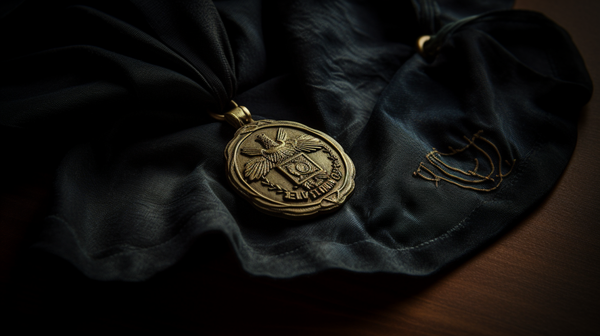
{"x": 541, "y": 277}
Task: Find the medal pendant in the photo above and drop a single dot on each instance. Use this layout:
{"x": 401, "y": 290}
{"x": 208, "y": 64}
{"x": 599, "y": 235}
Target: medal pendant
{"x": 287, "y": 169}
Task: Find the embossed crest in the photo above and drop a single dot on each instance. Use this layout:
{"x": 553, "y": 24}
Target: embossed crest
{"x": 288, "y": 169}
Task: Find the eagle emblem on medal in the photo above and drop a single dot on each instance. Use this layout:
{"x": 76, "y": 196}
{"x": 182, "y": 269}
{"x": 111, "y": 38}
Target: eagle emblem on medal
{"x": 289, "y": 170}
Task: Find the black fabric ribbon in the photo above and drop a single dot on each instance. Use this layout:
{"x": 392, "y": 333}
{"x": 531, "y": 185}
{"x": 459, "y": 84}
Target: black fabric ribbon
{"x": 212, "y": 58}
{"x": 427, "y": 12}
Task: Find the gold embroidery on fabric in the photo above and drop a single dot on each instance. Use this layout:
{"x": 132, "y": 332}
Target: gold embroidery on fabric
{"x": 448, "y": 172}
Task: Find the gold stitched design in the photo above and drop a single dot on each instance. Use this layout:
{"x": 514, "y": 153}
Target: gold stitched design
{"x": 463, "y": 178}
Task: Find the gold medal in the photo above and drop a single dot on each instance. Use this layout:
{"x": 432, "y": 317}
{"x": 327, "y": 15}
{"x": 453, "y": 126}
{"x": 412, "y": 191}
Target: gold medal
{"x": 285, "y": 168}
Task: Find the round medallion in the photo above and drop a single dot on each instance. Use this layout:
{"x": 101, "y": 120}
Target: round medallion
{"x": 289, "y": 170}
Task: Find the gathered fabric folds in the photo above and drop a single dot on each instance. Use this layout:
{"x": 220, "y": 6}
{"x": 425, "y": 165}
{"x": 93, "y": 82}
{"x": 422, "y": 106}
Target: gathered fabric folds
{"x": 451, "y": 147}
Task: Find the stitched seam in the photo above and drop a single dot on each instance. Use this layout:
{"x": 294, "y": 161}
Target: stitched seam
{"x": 446, "y": 234}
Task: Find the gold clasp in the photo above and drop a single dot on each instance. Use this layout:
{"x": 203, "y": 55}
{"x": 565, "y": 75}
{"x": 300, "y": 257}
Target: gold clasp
{"x": 236, "y": 117}
{"x": 421, "y": 44}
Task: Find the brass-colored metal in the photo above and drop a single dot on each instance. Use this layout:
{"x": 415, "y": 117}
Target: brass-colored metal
{"x": 236, "y": 117}
{"x": 287, "y": 169}
{"x": 421, "y": 44}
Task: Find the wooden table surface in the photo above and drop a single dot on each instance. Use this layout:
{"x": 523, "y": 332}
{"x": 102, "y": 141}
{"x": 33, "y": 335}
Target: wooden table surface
{"x": 541, "y": 277}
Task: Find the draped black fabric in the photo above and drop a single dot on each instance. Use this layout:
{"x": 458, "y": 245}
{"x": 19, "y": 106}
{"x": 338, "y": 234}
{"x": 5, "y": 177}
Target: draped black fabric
{"x": 114, "y": 96}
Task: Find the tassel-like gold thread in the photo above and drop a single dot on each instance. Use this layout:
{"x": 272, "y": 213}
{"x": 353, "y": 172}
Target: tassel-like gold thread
{"x": 434, "y": 158}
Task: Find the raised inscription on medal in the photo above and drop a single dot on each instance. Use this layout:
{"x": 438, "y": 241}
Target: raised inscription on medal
{"x": 288, "y": 169}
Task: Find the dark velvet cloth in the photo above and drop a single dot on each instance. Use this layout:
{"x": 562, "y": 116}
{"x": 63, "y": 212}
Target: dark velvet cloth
{"x": 115, "y": 95}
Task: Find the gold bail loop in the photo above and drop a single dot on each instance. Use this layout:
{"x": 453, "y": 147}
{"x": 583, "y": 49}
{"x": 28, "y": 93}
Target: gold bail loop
{"x": 421, "y": 44}
{"x": 236, "y": 117}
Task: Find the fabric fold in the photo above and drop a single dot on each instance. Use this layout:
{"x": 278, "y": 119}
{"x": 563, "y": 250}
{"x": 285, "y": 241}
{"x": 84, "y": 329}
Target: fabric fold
{"x": 450, "y": 150}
